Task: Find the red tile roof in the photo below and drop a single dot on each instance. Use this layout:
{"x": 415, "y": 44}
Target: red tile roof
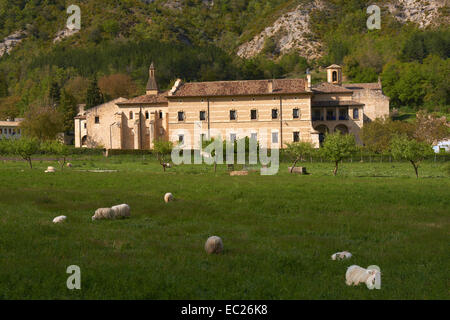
{"x": 240, "y": 88}
{"x": 326, "y": 87}
{"x": 147, "y": 99}
{"x": 361, "y": 86}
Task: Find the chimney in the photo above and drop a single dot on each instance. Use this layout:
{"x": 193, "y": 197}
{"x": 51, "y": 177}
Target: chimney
{"x": 270, "y": 86}
{"x": 308, "y": 82}
{"x": 175, "y": 87}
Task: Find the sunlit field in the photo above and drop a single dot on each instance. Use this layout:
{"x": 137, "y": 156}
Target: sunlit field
{"x": 278, "y": 231}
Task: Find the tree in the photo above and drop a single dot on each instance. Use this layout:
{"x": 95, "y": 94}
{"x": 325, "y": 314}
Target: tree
{"x": 94, "y": 96}
{"x": 9, "y": 107}
{"x": 68, "y": 110}
{"x": 43, "y": 123}
{"x": 377, "y": 135}
{"x": 57, "y": 148}
{"x": 429, "y": 128}
{"x": 337, "y": 146}
{"x": 54, "y": 94}
{"x": 117, "y": 85}
{"x": 5, "y": 147}
{"x": 299, "y": 150}
{"x": 25, "y": 147}
{"x": 77, "y": 87}
{"x": 411, "y": 150}
{"x": 163, "y": 149}
{"x": 211, "y": 142}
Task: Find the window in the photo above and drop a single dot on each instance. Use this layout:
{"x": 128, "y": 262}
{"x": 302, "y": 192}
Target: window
{"x": 274, "y": 113}
{"x": 147, "y": 115}
{"x": 330, "y": 115}
{"x": 317, "y": 115}
{"x": 131, "y": 115}
{"x": 97, "y": 119}
{"x": 343, "y": 114}
{"x": 355, "y": 114}
{"x": 160, "y": 115}
{"x": 295, "y": 113}
{"x": 253, "y": 114}
{"x": 274, "y": 137}
{"x": 85, "y": 125}
{"x": 232, "y": 114}
{"x": 202, "y": 115}
{"x": 254, "y": 136}
{"x": 1, "y": 130}
{"x": 180, "y": 116}
{"x": 232, "y": 136}
{"x": 9, "y": 131}
{"x": 296, "y": 136}
{"x": 181, "y": 138}
{"x": 335, "y": 76}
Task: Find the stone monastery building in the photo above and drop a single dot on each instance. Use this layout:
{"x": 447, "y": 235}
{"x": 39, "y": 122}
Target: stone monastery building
{"x": 275, "y": 112}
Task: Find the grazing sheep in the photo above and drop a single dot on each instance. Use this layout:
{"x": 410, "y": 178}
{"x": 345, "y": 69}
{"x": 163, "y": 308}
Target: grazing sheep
{"x": 214, "y": 245}
{"x": 341, "y": 255}
{"x": 168, "y": 197}
{"x": 50, "y": 169}
{"x": 103, "y": 213}
{"x": 59, "y": 219}
{"x": 121, "y": 211}
{"x": 370, "y": 276}
{"x": 115, "y": 212}
{"x": 69, "y": 165}
{"x": 167, "y": 165}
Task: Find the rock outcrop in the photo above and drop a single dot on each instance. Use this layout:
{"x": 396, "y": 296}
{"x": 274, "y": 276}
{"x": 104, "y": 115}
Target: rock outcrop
{"x": 11, "y": 41}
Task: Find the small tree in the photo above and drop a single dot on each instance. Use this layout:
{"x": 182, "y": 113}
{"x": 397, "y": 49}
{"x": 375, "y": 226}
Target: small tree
{"x": 57, "y": 148}
{"x": 299, "y": 150}
{"x": 94, "y": 96}
{"x": 5, "y": 147}
{"x": 25, "y": 147}
{"x": 337, "y": 146}
{"x": 212, "y": 153}
{"x": 163, "y": 149}
{"x": 411, "y": 150}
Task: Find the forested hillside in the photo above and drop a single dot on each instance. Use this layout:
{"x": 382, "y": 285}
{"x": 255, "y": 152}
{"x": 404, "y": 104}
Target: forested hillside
{"x": 198, "y": 40}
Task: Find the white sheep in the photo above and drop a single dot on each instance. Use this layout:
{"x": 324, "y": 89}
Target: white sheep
{"x": 103, "y": 213}
{"x": 121, "y": 211}
{"x": 59, "y": 219}
{"x": 115, "y": 212}
{"x": 69, "y": 165}
{"x": 214, "y": 244}
{"x": 341, "y": 255}
{"x": 50, "y": 169}
{"x": 168, "y": 197}
{"x": 370, "y": 276}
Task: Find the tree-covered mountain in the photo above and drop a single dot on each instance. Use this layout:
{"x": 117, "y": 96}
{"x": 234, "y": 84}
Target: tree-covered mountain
{"x": 202, "y": 40}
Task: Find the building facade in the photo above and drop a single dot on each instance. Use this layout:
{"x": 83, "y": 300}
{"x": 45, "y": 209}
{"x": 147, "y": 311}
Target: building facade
{"x": 274, "y": 112}
{"x": 10, "y": 129}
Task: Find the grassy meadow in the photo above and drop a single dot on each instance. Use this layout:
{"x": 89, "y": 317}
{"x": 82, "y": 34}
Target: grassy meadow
{"x": 278, "y": 231}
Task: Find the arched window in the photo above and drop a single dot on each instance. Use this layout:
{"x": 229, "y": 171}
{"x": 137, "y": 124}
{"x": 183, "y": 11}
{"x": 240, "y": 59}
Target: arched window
{"x": 131, "y": 114}
{"x": 355, "y": 113}
{"x": 147, "y": 115}
{"x": 335, "y": 77}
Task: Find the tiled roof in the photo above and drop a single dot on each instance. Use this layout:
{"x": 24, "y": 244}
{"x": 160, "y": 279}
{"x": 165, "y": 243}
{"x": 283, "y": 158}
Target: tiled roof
{"x": 147, "y": 99}
{"x": 326, "y": 87}
{"x": 335, "y": 103}
{"x": 240, "y": 88}
{"x": 361, "y": 86}
{"x": 334, "y": 66}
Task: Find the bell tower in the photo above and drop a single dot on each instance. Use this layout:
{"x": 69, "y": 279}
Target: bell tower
{"x": 334, "y": 74}
{"x": 152, "y": 86}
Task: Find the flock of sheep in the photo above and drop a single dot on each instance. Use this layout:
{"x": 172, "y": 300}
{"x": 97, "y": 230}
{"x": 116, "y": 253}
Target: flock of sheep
{"x": 214, "y": 245}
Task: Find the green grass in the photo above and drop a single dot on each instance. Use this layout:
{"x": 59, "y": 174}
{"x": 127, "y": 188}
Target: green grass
{"x": 278, "y": 231}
